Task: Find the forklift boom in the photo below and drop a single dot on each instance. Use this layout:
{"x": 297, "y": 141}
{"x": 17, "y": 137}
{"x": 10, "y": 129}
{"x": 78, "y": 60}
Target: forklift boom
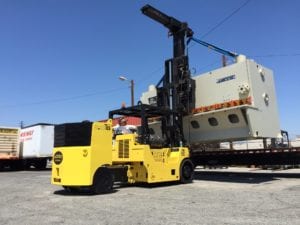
{"x": 175, "y": 91}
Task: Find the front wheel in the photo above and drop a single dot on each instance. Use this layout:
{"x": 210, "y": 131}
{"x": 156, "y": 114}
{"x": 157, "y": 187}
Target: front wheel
{"x": 103, "y": 181}
{"x": 186, "y": 171}
{"x": 71, "y": 189}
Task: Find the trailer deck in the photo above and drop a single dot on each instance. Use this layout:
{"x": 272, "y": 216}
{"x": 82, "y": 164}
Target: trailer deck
{"x": 269, "y": 156}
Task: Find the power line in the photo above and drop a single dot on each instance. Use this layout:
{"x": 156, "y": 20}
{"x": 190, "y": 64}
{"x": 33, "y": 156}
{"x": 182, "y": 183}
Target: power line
{"x": 149, "y": 75}
{"x": 215, "y": 62}
{"x": 62, "y": 99}
{"x": 276, "y": 55}
{"x": 225, "y": 19}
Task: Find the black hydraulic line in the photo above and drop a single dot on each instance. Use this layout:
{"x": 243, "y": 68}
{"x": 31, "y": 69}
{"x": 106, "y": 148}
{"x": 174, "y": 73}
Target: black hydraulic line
{"x": 159, "y": 82}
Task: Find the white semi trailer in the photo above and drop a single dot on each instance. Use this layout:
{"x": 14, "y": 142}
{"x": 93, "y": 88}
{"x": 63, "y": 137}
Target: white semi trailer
{"x": 36, "y": 145}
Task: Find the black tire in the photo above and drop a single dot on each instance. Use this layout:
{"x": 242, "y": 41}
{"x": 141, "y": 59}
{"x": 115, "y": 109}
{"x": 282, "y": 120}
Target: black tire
{"x": 186, "y": 171}
{"x": 16, "y": 165}
{"x": 70, "y": 189}
{"x": 103, "y": 181}
{"x": 40, "y": 164}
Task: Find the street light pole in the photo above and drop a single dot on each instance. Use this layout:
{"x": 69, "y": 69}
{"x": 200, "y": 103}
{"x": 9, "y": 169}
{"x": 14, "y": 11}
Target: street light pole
{"x": 132, "y": 92}
{"x": 122, "y": 78}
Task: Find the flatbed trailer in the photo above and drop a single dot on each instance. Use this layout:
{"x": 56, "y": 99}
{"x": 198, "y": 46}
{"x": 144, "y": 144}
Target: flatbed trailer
{"x": 268, "y": 156}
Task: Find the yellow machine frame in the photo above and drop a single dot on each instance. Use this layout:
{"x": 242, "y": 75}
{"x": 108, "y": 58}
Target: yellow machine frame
{"x": 145, "y": 164}
{"x": 76, "y": 166}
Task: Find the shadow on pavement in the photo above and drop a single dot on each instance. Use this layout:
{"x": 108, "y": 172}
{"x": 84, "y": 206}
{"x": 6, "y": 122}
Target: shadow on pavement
{"x": 241, "y": 177}
{"x": 80, "y": 193}
{"x": 9, "y": 169}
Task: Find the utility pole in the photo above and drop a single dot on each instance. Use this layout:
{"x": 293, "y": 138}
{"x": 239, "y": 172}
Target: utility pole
{"x": 131, "y": 82}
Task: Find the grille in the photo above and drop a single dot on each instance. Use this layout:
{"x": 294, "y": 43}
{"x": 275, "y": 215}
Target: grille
{"x": 124, "y": 148}
{"x": 73, "y": 134}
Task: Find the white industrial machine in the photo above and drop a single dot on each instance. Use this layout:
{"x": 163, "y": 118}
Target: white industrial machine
{"x": 235, "y": 102}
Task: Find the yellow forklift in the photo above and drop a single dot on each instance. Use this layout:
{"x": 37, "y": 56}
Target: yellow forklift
{"x": 89, "y": 155}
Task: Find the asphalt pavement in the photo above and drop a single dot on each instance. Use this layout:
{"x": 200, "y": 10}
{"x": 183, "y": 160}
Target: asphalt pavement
{"x": 219, "y": 196}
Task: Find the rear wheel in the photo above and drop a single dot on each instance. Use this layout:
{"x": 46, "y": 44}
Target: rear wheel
{"x": 186, "y": 171}
{"x": 103, "y": 181}
{"x": 40, "y": 164}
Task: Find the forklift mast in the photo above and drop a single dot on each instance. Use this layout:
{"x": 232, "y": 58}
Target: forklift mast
{"x": 176, "y": 89}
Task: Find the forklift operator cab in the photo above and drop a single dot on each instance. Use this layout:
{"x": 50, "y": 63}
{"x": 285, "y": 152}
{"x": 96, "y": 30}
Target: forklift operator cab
{"x": 123, "y": 128}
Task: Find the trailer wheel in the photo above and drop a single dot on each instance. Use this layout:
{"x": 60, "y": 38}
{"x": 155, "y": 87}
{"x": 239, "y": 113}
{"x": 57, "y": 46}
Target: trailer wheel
{"x": 186, "y": 171}
{"x": 103, "y": 181}
{"x": 40, "y": 164}
{"x": 16, "y": 165}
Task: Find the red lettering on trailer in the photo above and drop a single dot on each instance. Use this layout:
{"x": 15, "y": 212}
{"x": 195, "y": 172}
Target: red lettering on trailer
{"x": 26, "y": 133}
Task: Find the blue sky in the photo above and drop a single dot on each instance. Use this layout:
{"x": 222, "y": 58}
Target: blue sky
{"x": 60, "y": 59}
